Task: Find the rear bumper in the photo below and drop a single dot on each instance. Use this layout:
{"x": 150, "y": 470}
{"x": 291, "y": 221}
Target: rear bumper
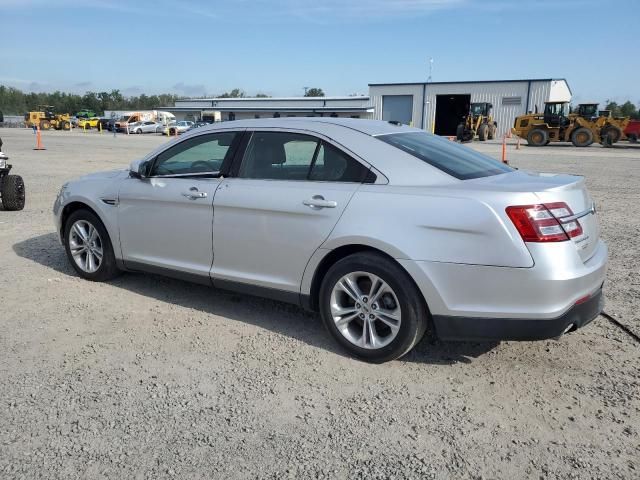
{"x": 483, "y": 329}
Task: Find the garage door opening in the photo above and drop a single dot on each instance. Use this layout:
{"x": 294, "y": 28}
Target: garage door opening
{"x": 397, "y": 108}
{"x": 450, "y": 111}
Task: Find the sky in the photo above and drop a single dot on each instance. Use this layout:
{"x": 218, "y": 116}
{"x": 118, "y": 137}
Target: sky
{"x": 278, "y": 47}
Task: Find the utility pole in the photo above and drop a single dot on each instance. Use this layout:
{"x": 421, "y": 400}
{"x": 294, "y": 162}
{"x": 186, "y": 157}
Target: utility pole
{"x": 425, "y": 103}
{"x": 305, "y": 90}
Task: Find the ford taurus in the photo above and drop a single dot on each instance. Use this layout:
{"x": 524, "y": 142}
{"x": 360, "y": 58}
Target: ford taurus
{"x": 389, "y": 232}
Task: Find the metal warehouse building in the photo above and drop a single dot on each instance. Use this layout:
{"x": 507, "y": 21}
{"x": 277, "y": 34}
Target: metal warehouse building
{"x": 439, "y": 106}
{"x": 243, "y": 108}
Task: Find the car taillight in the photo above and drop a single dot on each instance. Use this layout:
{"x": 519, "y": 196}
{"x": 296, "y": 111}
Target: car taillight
{"x": 543, "y": 223}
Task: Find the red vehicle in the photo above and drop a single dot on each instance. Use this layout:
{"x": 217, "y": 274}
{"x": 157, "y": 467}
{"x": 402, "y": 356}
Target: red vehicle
{"x": 632, "y": 131}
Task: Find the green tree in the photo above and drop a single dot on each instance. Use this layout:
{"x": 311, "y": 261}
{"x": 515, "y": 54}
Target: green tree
{"x": 613, "y": 106}
{"x": 235, "y": 93}
{"x": 628, "y": 109}
{"x": 314, "y": 92}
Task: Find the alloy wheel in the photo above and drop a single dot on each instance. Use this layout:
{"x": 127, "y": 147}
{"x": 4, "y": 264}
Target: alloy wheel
{"x": 86, "y": 246}
{"x": 366, "y": 310}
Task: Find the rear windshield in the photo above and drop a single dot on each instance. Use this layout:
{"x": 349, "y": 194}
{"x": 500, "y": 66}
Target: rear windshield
{"x": 450, "y": 157}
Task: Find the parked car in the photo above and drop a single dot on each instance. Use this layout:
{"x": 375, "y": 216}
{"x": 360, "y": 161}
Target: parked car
{"x": 88, "y": 123}
{"x": 386, "y": 230}
{"x": 106, "y": 123}
{"x": 179, "y": 127}
{"x": 85, "y": 113}
{"x": 146, "y": 127}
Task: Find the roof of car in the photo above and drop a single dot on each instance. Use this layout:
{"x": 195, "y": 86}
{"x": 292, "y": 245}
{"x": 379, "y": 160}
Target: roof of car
{"x": 368, "y": 127}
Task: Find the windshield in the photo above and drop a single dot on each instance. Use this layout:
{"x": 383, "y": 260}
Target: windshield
{"x": 477, "y": 109}
{"x": 561, "y": 109}
{"x": 450, "y": 157}
{"x": 589, "y": 110}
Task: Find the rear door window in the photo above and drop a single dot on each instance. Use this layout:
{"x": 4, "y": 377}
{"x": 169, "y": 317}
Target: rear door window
{"x": 278, "y": 156}
{"x": 295, "y": 156}
{"x": 458, "y": 161}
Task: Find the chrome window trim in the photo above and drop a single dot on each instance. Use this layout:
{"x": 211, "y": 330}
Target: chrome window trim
{"x": 381, "y": 179}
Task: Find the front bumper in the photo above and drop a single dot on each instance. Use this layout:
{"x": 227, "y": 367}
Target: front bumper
{"x": 485, "y": 329}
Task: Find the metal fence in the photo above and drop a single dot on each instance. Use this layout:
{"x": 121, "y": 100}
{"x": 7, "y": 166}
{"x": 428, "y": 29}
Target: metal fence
{"x": 13, "y": 121}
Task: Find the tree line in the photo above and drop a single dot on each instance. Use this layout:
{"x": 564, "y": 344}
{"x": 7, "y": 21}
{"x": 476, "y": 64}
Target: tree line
{"x": 627, "y": 109}
{"x": 16, "y": 102}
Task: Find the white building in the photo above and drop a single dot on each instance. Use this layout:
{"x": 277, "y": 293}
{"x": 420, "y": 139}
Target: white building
{"x": 242, "y": 108}
{"x": 439, "y": 106}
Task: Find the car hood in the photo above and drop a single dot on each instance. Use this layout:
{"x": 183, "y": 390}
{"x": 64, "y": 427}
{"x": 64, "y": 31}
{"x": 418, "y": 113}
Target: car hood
{"x": 108, "y": 175}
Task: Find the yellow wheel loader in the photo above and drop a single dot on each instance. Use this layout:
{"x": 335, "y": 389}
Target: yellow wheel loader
{"x": 478, "y": 122}
{"x": 46, "y": 119}
{"x": 610, "y": 128}
{"x": 556, "y": 124}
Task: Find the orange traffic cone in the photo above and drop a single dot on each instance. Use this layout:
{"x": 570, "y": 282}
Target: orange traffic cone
{"x": 504, "y": 150}
{"x": 39, "y": 140}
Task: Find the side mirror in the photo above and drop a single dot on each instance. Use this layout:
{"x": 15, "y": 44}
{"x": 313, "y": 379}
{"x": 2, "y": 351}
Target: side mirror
{"x": 139, "y": 169}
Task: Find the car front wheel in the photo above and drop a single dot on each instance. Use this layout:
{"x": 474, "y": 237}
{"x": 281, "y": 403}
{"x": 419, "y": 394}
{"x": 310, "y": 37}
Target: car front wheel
{"x": 372, "y": 307}
{"x": 88, "y": 247}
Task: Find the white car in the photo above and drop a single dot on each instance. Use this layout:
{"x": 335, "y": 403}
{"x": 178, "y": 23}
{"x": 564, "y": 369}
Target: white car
{"x": 388, "y": 231}
{"x": 180, "y": 127}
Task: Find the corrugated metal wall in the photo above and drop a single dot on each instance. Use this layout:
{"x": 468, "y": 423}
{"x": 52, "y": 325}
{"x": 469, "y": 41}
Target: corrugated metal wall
{"x": 493, "y": 92}
{"x": 482, "y": 92}
{"x": 376, "y": 94}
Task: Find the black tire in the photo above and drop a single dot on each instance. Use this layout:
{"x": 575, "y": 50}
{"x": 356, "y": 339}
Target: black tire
{"x": 483, "y": 132}
{"x": 493, "y": 130}
{"x": 537, "y": 137}
{"x": 414, "y": 316}
{"x": 460, "y": 132}
{"x": 139, "y": 131}
{"x": 633, "y": 138}
{"x": 582, "y": 137}
{"x": 65, "y": 125}
{"x": 613, "y": 132}
{"x": 13, "y": 192}
{"x": 45, "y": 125}
{"x": 108, "y": 269}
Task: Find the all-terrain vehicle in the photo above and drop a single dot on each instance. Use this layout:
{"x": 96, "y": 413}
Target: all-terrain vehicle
{"x": 12, "y": 193}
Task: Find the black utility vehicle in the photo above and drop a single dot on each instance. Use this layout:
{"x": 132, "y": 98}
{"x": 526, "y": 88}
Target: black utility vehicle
{"x": 12, "y": 191}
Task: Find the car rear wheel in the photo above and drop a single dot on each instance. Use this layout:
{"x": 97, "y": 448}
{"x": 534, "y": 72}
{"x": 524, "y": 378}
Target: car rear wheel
{"x": 372, "y": 307}
{"x": 88, "y": 247}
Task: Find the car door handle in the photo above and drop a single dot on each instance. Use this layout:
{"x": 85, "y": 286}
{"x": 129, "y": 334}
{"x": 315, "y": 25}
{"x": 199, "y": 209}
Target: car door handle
{"x": 194, "y": 194}
{"x": 318, "y": 201}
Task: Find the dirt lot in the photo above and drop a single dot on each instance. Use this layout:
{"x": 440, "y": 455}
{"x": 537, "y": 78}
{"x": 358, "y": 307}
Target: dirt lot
{"x": 147, "y": 377}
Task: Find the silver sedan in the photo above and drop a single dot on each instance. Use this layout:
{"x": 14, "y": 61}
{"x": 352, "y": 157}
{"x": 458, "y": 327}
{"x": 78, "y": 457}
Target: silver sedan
{"x": 389, "y": 232}
{"x": 148, "y": 126}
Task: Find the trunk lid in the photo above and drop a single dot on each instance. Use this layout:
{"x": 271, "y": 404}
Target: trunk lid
{"x": 551, "y": 188}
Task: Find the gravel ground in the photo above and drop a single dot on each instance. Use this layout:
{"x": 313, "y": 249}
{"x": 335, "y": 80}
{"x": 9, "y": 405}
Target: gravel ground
{"x": 147, "y": 377}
